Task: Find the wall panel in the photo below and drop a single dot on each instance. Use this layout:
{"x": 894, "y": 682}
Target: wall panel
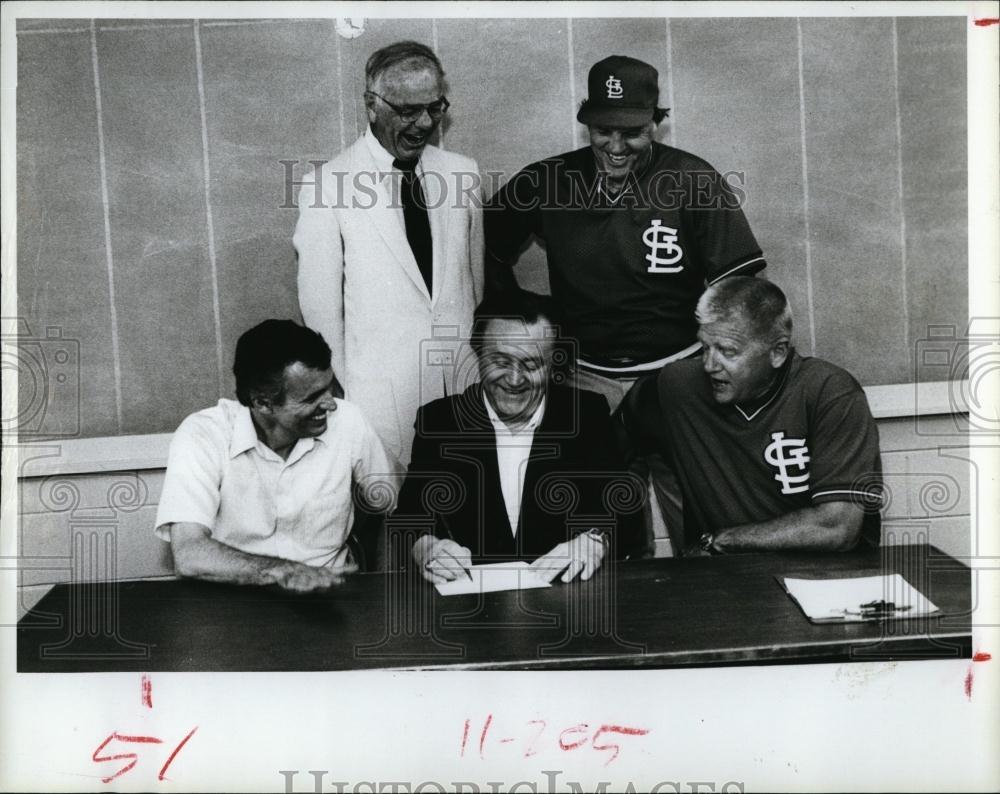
{"x": 62, "y": 278}
{"x": 163, "y": 292}
{"x": 854, "y": 201}
{"x": 745, "y": 118}
{"x": 934, "y": 175}
{"x": 259, "y": 111}
{"x": 510, "y": 81}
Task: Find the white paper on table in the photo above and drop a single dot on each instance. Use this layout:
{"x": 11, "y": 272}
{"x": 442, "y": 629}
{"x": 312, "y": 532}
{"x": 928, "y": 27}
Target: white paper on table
{"x": 829, "y": 599}
{"x": 493, "y": 578}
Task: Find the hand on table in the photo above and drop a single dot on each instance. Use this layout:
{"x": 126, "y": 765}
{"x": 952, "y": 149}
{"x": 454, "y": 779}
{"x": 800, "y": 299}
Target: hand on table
{"x": 582, "y": 555}
{"x": 299, "y": 578}
{"x": 441, "y": 560}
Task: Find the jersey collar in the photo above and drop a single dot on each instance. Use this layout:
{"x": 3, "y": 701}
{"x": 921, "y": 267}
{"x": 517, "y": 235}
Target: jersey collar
{"x": 750, "y": 410}
{"x": 631, "y": 183}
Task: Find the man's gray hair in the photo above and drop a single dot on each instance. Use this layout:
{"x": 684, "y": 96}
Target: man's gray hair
{"x": 760, "y": 302}
{"x": 382, "y": 60}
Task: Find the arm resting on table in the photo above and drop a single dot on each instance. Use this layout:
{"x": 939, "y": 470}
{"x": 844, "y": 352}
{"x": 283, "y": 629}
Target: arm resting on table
{"x": 829, "y": 526}
{"x": 198, "y": 556}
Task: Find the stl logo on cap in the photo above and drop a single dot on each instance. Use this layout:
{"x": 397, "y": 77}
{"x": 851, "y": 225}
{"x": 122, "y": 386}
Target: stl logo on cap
{"x": 614, "y": 86}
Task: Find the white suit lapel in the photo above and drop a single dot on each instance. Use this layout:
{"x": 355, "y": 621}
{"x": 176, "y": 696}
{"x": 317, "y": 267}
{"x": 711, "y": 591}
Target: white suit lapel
{"x": 380, "y": 213}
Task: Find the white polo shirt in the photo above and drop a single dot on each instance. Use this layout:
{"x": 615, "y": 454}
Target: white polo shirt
{"x": 513, "y": 451}
{"x": 220, "y": 475}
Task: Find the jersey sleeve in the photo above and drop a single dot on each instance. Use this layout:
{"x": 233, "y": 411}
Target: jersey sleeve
{"x": 641, "y": 416}
{"x": 844, "y": 454}
{"x": 726, "y": 243}
{"x": 191, "y": 486}
{"x": 511, "y": 216}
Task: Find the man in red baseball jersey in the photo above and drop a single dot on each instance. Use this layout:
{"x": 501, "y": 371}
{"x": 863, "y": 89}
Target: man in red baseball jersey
{"x": 773, "y": 450}
{"x": 633, "y": 230}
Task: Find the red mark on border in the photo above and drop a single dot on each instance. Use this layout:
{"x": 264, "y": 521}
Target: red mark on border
{"x": 582, "y": 728}
{"x": 177, "y": 749}
{"x": 572, "y": 738}
{"x": 983, "y": 23}
{"x": 482, "y": 736}
{"x": 978, "y": 656}
{"x": 134, "y": 758}
{"x": 620, "y": 729}
{"x": 147, "y": 691}
{"x": 529, "y": 749}
{"x": 465, "y": 737}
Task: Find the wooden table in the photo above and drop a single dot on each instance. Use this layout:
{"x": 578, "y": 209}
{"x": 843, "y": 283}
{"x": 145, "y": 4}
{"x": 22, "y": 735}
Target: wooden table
{"x": 648, "y": 613}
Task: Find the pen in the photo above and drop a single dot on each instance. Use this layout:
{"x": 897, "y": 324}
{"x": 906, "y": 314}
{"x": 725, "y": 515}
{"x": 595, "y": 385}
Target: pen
{"x": 882, "y": 606}
{"x": 467, "y": 571}
{"x": 877, "y": 609}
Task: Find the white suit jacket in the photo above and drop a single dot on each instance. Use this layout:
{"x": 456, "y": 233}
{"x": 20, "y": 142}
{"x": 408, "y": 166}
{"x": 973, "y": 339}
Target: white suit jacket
{"x": 395, "y": 347}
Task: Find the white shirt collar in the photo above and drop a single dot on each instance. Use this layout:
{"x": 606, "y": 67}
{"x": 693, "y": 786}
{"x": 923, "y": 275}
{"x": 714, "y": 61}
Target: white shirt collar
{"x": 382, "y": 157}
{"x": 244, "y": 433}
{"x": 245, "y": 438}
{"x": 499, "y": 424}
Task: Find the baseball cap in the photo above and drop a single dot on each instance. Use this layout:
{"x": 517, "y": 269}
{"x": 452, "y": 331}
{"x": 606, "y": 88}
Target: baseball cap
{"x": 621, "y": 92}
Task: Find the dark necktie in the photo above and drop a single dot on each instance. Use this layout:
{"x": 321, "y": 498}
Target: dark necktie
{"x": 418, "y": 227}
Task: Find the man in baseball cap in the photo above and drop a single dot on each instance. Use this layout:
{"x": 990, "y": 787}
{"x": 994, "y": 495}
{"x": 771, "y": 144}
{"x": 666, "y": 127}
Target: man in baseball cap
{"x": 633, "y": 232}
{"x": 623, "y": 96}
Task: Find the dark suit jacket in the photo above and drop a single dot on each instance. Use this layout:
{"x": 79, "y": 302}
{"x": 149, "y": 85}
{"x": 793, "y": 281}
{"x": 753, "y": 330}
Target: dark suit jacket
{"x": 575, "y": 478}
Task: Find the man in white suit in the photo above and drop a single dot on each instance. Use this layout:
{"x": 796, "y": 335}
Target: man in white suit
{"x": 390, "y": 248}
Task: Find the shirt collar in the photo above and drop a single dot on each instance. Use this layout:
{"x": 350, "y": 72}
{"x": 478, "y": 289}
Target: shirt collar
{"x": 499, "y": 424}
{"x": 629, "y": 185}
{"x": 244, "y": 433}
{"x": 245, "y": 437}
{"x": 751, "y": 409}
{"x": 383, "y": 158}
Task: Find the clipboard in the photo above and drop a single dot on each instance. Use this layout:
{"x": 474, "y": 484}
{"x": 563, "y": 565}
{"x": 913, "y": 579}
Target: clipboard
{"x": 857, "y": 599}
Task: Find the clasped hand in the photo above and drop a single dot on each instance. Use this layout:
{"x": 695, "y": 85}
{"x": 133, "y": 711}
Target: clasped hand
{"x": 300, "y": 578}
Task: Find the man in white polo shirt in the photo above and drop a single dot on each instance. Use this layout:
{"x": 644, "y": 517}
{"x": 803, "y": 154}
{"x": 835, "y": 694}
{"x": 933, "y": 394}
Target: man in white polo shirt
{"x": 259, "y": 491}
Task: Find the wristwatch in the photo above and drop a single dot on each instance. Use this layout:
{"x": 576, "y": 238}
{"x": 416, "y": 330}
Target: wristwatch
{"x": 707, "y": 544}
{"x": 600, "y": 535}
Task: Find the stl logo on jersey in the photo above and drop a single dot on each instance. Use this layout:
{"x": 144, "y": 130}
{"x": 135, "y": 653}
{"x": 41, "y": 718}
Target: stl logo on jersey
{"x": 659, "y": 237}
{"x": 786, "y": 454}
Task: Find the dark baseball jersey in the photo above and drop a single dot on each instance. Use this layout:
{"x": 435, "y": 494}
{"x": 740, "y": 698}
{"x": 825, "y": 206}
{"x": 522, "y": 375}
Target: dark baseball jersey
{"x": 812, "y": 440}
{"x": 627, "y": 271}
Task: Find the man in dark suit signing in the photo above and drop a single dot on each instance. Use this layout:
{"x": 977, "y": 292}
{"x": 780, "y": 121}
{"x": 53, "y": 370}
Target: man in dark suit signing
{"x": 518, "y": 466}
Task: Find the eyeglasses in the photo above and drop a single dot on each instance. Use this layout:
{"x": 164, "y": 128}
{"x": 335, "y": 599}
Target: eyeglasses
{"x": 410, "y": 113}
